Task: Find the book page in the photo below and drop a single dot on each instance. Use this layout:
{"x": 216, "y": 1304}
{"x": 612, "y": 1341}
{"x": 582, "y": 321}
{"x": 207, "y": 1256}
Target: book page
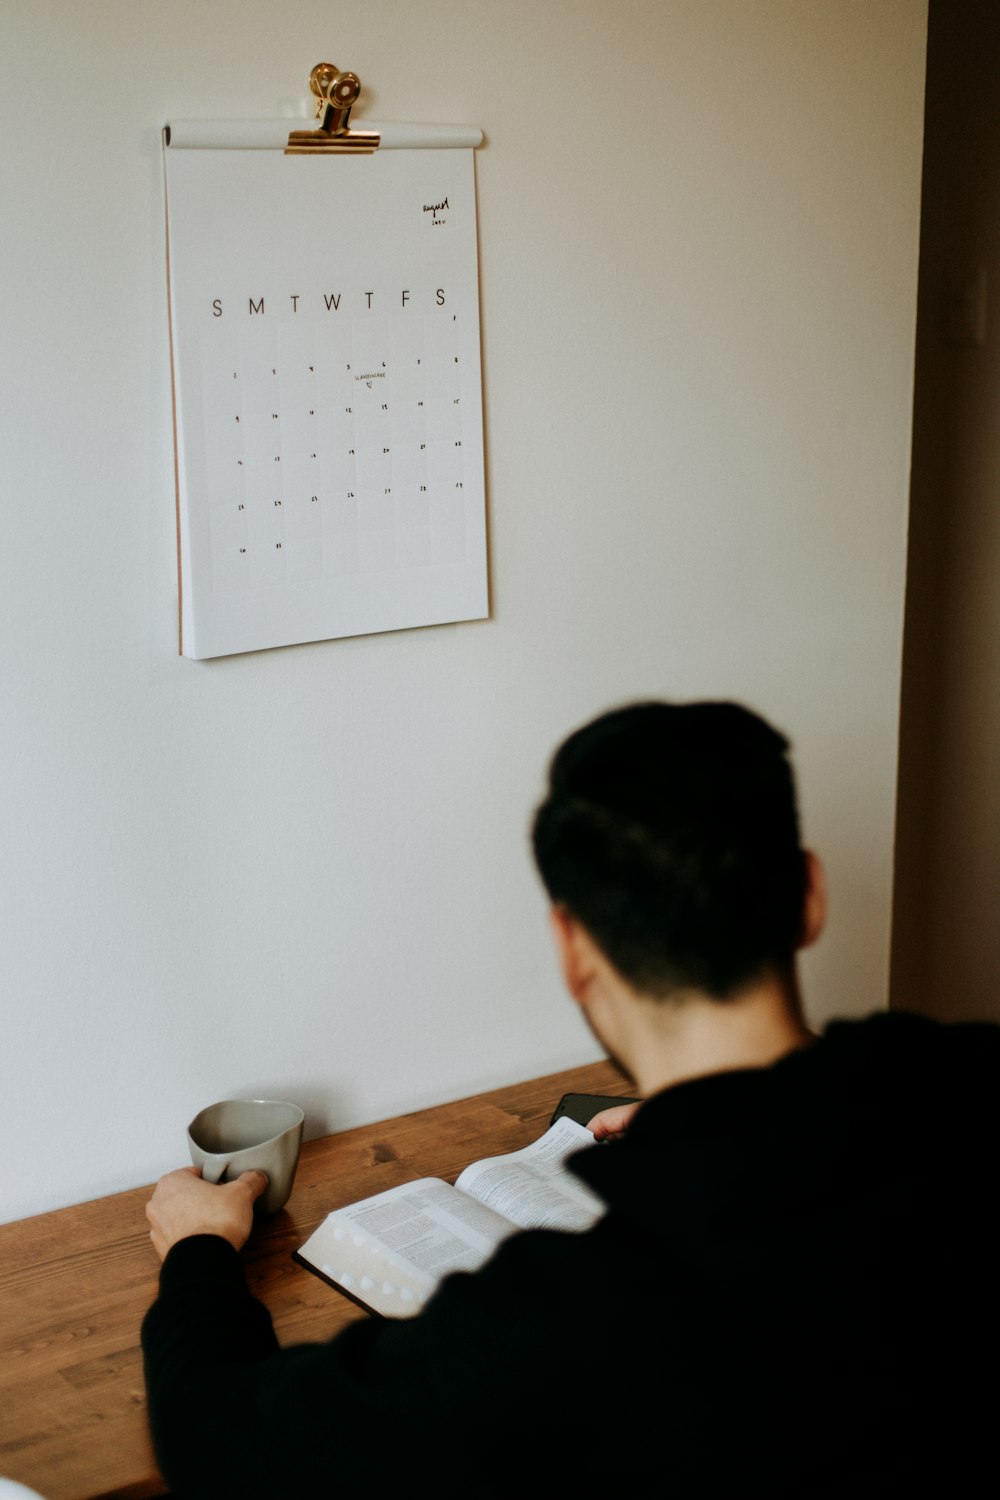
{"x": 532, "y": 1187}
{"x": 391, "y": 1250}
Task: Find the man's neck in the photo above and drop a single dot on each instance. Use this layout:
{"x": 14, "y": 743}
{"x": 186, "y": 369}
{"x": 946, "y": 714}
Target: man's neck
{"x": 664, "y": 1042}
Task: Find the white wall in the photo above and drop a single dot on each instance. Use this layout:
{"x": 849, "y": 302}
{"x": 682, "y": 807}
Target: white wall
{"x": 304, "y": 872}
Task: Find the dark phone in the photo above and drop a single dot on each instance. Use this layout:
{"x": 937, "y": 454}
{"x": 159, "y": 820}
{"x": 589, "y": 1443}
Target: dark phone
{"x": 583, "y": 1107}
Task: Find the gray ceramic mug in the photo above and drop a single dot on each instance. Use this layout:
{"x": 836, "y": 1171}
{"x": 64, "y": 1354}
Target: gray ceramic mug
{"x": 235, "y": 1135}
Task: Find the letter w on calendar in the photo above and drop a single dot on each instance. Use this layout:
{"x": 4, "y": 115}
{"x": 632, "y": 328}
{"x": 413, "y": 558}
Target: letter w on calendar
{"x": 328, "y": 394}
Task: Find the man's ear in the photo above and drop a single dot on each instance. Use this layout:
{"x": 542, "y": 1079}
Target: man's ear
{"x": 575, "y": 950}
{"x": 814, "y": 900}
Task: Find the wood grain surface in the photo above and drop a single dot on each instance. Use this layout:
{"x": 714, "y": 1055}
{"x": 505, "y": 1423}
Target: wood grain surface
{"x": 75, "y": 1284}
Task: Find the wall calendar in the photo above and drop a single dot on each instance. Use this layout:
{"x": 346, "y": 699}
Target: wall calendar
{"x": 324, "y": 319}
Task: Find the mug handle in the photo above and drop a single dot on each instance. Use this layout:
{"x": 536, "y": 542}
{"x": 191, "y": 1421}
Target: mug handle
{"x": 213, "y": 1171}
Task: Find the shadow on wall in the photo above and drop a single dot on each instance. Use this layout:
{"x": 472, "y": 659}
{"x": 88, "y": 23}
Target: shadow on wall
{"x": 946, "y": 936}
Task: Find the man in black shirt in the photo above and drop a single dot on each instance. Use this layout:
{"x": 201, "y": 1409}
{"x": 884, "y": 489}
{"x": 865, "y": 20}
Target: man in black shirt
{"x": 760, "y": 1311}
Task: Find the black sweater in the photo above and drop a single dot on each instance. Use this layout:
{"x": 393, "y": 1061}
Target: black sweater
{"x": 786, "y": 1296}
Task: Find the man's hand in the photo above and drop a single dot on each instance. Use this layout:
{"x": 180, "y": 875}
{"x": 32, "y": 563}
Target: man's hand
{"x": 611, "y": 1123}
{"x": 183, "y": 1205}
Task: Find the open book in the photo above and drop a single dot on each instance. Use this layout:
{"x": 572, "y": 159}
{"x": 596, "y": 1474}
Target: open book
{"x": 390, "y": 1251}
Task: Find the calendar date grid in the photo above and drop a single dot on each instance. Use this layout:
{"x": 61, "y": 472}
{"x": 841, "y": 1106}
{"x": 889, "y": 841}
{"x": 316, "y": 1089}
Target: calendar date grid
{"x": 332, "y": 456}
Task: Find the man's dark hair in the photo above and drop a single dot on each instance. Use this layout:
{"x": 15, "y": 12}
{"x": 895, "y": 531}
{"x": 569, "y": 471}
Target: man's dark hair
{"x": 670, "y": 832}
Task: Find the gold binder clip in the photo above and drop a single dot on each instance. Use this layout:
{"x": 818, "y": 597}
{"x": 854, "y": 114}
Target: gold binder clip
{"x": 336, "y": 93}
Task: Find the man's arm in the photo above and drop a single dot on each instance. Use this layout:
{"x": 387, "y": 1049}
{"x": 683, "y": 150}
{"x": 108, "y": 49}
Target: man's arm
{"x": 229, "y": 1412}
{"x": 202, "y": 1332}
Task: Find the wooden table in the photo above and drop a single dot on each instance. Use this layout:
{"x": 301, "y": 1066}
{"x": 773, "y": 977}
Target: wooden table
{"x": 74, "y": 1285}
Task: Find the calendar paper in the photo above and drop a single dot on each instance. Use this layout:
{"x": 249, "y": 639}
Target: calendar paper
{"x": 328, "y": 398}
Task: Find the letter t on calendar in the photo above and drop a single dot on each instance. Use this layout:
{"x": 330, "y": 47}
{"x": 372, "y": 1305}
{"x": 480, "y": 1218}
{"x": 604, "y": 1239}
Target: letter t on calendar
{"x": 328, "y": 394}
